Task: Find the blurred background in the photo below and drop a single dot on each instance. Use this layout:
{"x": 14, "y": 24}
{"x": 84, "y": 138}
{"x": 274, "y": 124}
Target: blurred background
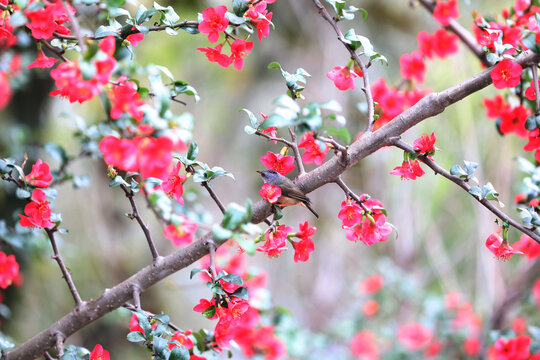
{"x": 437, "y": 248}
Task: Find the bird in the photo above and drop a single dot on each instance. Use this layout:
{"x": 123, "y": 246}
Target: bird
{"x": 291, "y": 194}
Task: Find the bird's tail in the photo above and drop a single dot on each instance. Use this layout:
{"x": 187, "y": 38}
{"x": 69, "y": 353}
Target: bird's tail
{"x": 311, "y": 209}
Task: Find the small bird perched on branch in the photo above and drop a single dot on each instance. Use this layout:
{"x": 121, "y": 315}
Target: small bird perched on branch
{"x": 291, "y": 194}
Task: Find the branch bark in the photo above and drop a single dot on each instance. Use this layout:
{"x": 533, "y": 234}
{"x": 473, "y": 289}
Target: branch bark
{"x": 431, "y": 105}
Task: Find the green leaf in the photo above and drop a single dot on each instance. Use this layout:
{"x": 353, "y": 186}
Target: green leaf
{"x": 81, "y": 181}
{"x": 143, "y": 14}
{"x": 252, "y": 118}
{"x": 160, "y": 344}
{"x": 241, "y": 293}
{"x": 221, "y": 233}
{"x": 249, "y": 130}
{"x": 234, "y": 216}
{"x": 163, "y": 318}
{"x": 530, "y": 42}
{"x": 56, "y": 152}
{"x": 117, "y": 181}
{"x": 5, "y": 342}
{"x": 135, "y": 337}
{"x": 193, "y": 150}
{"x": 233, "y": 279}
{"x": 22, "y": 193}
{"x": 191, "y": 28}
{"x": 209, "y": 312}
{"x": 115, "y": 3}
{"x": 142, "y": 319}
{"x": 357, "y": 41}
{"x": 246, "y": 244}
{"x": 196, "y": 271}
{"x": 240, "y": 7}
{"x": 179, "y": 352}
{"x": 104, "y": 31}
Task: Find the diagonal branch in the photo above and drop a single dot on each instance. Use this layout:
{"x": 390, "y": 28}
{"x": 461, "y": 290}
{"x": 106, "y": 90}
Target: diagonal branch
{"x": 431, "y": 105}
{"x": 465, "y": 186}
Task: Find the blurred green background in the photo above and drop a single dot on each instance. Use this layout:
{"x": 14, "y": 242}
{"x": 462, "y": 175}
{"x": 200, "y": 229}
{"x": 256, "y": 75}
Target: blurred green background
{"x": 439, "y": 243}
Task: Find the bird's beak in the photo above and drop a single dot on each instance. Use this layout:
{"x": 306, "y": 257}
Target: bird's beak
{"x": 260, "y": 172}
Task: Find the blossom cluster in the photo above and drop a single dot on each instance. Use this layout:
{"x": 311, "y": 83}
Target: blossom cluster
{"x": 275, "y": 241}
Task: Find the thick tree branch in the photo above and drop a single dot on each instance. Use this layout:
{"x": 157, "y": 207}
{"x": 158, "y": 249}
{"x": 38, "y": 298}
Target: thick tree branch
{"x": 465, "y": 186}
{"x": 65, "y": 273}
{"x": 431, "y": 105}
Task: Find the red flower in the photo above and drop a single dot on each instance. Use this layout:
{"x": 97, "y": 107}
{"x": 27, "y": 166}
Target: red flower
{"x": 37, "y": 211}
{"x": 530, "y": 92}
{"x": 370, "y": 232}
{"x": 125, "y": 99}
{"x": 413, "y": 66}
{"x": 511, "y": 349}
{"x": 203, "y": 305}
{"x": 182, "y": 338}
{"x": 519, "y": 325}
{"x": 506, "y": 74}
{"x": 42, "y": 61}
{"x": 445, "y": 11}
{"x": 134, "y": 324}
{"x": 270, "y": 193}
{"x": 513, "y": 120}
{"x": 350, "y": 213}
{"x": 154, "y": 157}
{"x": 425, "y": 44}
{"x": 261, "y": 18}
{"x": 305, "y": 246}
{"x": 371, "y": 284}
{"x": 70, "y": 83}
{"x": 120, "y": 153}
{"x": 9, "y": 269}
{"x": 135, "y": 39}
{"x": 444, "y": 43}
{"x": 214, "y": 22}
{"x": 425, "y": 144}
{"x": 414, "y": 336}
{"x": 363, "y": 345}
{"x": 40, "y": 176}
{"x": 499, "y": 247}
{"x": 240, "y": 49}
{"x": 313, "y": 152}
{"x": 173, "y": 185}
{"x": 280, "y": 163}
{"x": 472, "y": 346}
{"x": 44, "y": 22}
{"x": 214, "y": 55}
{"x": 99, "y": 354}
{"x": 370, "y": 308}
{"x": 276, "y": 241}
{"x": 528, "y": 246}
{"x": 6, "y": 30}
{"x": 495, "y": 107}
{"x": 181, "y": 234}
{"x": 342, "y": 77}
{"x": 408, "y": 170}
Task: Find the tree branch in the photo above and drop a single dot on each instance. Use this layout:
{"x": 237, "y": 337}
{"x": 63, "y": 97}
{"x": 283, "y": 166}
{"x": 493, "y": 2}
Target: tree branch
{"x": 65, "y": 273}
{"x": 431, "y": 105}
{"x": 297, "y": 157}
{"x": 465, "y": 186}
{"x": 135, "y": 215}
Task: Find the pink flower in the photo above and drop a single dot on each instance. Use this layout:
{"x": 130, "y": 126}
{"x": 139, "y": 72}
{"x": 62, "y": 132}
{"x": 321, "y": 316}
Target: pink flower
{"x": 277, "y": 162}
{"x": 40, "y": 176}
{"x": 276, "y": 241}
{"x": 42, "y": 61}
{"x": 408, "y": 170}
{"x": 313, "y": 152}
{"x": 511, "y": 349}
{"x": 414, "y": 336}
{"x": 342, "y": 77}
{"x": 214, "y": 55}
{"x": 506, "y": 74}
{"x": 99, "y": 353}
{"x": 38, "y": 211}
{"x": 182, "y": 338}
{"x": 350, "y": 213}
{"x": 499, "y": 247}
{"x": 528, "y": 246}
{"x": 370, "y": 232}
{"x": 444, "y": 43}
{"x": 270, "y": 193}
{"x": 261, "y": 18}
{"x": 305, "y": 246}
{"x": 363, "y": 345}
{"x": 181, "y": 234}
{"x": 240, "y": 49}
{"x": 173, "y": 185}
{"x": 9, "y": 269}
{"x": 413, "y": 66}
{"x": 125, "y": 99}
{"x": 371, "y": 284}
{"x": 425, "y": 144}
{"x": 214, "y": 22}
{"x": 445, "y": 11}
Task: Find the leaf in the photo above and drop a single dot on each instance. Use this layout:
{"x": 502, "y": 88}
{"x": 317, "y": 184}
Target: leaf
{"x": 56, "y": 152}
{"x": 163, "y": 318}
{"x": 5, "y": 342}
{"x": 193, "y": 150}
{"x": 252, "y": 118}
{"x": 117, "y": 181}
{"x": 233, "y": 279}
{"x": 160, "y": 344}
{"x": 191, "y": 28}
{"x": 240, "y": 7}
{"x": 221, "y": 233}
{"x": 196, "y": 271}
{"x": 104, "y": 31}
{"x": 142, "y": 319}
{"x": 179, "y": 352}
{"x": 341, "y": 133}
{"x": 241, "y": 293}
{"x": 135, "y": 337}
{"x": 209, "y": 312}
{"x": 476, "y": 191}
{"x": 234, "y": 216}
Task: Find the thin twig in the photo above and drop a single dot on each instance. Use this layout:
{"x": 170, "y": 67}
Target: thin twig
{"x": 135, "y": 215}
{"x": 343, "y": 150}
{"x": 214, "y": 196}
{"x": 465, "y": 186}
{"x": 350, "y": 194}
{"x": 53, "y": 50}
{"x": 534, "y": 69}
{"x": 65, "y": 273}
{"x": 137, "y": 296}
{"x": 280, "y": 140}
{"x": 212, "y": 252}
{"x": 76, "y": 27}
{"x": 296, "y": 152}
{"x": 356, "y": 58}
{"x": 134, "y": 309}
{"x": 60, "y": 344}
{"x": 465, "y": 36}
